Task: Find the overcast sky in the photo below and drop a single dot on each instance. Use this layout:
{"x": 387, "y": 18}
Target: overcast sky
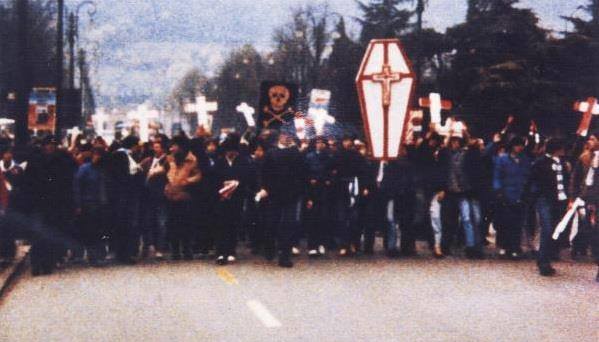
{"x": 146, "y": 45}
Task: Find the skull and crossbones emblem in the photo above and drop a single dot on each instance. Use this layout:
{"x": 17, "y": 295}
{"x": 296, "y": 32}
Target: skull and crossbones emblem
{"x": 278, "y": 96}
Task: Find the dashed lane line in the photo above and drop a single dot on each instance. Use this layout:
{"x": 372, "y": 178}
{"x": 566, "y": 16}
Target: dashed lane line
{"x": 262, "y": 313}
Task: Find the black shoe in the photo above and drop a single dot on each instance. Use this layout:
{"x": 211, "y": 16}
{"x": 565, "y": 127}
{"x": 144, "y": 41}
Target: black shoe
{"x": 470, "y": 253}
{"x": 597, "y": 277}
{"x": 547, "y": 271}
{"x": 286, "y": 263}
{"x": 269, "y": 255}
{"x": 393, "y": 253}
{"x": 176, "y": 257}
{"x": 408, "y": 253}
{"x": 221, "y": 260}
{"x": 188, "y": 257}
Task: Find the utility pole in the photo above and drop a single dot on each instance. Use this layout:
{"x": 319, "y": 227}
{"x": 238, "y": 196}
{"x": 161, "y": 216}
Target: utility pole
{"x": 24, "y": 75}
{"x": 71, "y": 33}
{"x": 59, "y": 68}
{"x": 420, "y": 6}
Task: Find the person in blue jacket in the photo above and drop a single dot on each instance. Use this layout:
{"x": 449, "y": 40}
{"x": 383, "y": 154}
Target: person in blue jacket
{"x": 510, "y": 176}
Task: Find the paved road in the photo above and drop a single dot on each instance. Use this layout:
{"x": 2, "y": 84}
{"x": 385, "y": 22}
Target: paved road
{"x": 364, "y": 299}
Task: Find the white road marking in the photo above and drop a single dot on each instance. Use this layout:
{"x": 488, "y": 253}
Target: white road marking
{"x": 263, "y": 314}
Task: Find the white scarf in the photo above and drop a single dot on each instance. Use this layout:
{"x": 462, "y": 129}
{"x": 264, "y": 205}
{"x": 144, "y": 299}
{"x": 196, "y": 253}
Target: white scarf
{"x": 591, "y": 174}
{"x": 558, "y": 169}
{"x": 10, "y": 167}
{"x": 134, "y": 167}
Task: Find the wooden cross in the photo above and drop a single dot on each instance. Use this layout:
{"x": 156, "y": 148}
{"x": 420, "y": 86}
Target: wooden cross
{"x": 143, "y": 115}
{"x": 248, "y": 113}
{"x": 435, "y": 105}
{"x": 588, "y": 109}
{"x": 386, "y": 77}
{"x": 202, "y": 108}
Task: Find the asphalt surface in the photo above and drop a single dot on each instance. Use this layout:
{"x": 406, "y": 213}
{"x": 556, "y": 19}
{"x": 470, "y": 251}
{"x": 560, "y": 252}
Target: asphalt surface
{"x": 330, "y": 299}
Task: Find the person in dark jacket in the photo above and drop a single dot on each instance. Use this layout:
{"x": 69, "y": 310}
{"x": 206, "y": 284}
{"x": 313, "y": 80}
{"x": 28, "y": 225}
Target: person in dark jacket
{"x": 509, "y": 180}
{"x": 547, "y": 187}
{"x": 460, "y": 203}
{"x": 154, "y": 203}
{"x": 232, "y": 173}
{"x": 398, "y": 187}
{"x": 367, "y": 218}
{"x": 49, "y": 173}
{"x": 345, "y": 192}
{"x": 283, "y": 184}
{"x": 318, "y": 163}
{"x": 584, "y": 184}
{"x": 125, "y": 191}
{"x": 91, "y": 199}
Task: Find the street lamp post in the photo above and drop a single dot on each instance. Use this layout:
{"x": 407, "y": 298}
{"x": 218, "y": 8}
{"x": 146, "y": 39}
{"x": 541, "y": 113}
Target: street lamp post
{"x": 24, "y": 76}
{"x": 59, "y": 68}
{"x": 74, "y": 34}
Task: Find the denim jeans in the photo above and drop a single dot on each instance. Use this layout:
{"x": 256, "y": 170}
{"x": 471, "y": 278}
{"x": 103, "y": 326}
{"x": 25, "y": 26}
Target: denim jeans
{"x": 465, "y": 210}
{"x": 436, "y": 223}
{"x": 155, "y": 225}
{"x": 399, "y": 219}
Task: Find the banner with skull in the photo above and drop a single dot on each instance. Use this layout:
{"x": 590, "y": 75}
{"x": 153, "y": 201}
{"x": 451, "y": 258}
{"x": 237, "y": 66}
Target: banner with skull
{"x": 277, "y": 104}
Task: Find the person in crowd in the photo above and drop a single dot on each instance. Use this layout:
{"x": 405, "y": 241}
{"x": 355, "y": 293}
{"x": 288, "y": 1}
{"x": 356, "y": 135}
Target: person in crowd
{"x": 12, "y": 174}
{"x": 49, "y": 175}
{"x": 509, "y": 180}
{"x": 460, "y": 204}
{"x": 428, "y": 177}
{"x": 256, "y": 219}
{"x": 317, "y": 212}
{"x": 584, "y": 184}
{"x": 547, "y": 186}
{"x": 7, "y": 240}
{"x": 232, "y": 172}
{"x": 283, "y": 183}
{"x": 154, "y": 202}
{"x": 182, "y": 175}
{"x": 398, "y": 188}
{"x": 345, "y": 192}
{"x": 364, "y": 238}
{"x": 125, "y": 191}
{"x": 91, "y": 200}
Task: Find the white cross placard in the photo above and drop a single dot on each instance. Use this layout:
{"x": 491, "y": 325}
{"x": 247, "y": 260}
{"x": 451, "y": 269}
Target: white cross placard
{"x": 248, "y": 113}
{"x": 202, "y": 108}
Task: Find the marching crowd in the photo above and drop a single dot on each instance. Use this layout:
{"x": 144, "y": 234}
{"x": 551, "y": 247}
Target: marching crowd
{"x": 191, "y": 197}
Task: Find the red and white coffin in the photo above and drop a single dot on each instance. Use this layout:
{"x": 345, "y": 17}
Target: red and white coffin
{"x": 385, "y": 86}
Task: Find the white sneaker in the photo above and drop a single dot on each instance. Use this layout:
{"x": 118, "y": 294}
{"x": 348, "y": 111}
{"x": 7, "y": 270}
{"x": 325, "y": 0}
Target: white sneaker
{"x": 295, "y": 251}
{"x": 502, "y": 252}
{"x": 322, "y": 250}
{"x": 343, "y": 252}
{"x": 231, "y": 258}
{"x": 312, "y": 253}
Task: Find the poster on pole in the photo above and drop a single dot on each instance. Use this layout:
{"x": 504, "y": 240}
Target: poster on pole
{"x": 42, "y": 109}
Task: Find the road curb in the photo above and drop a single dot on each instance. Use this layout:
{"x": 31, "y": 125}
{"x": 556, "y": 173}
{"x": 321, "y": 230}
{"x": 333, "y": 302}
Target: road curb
{"x": 8, "y": 276}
